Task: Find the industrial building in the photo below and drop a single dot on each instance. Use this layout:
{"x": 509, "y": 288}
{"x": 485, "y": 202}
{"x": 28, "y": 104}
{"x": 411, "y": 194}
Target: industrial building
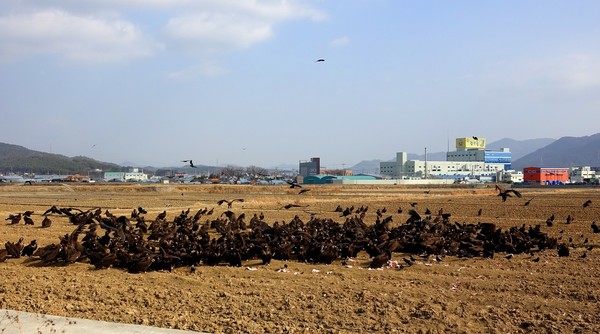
{"x": 545, "y": 176}
{"x": 134, "y": 174}
{"x": 473, "y": 149}
{"x": 470, "y": 160}
{"x": 310, "y": 168}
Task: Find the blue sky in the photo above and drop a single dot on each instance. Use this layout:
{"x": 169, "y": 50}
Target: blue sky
{"x": 236, "y": 82}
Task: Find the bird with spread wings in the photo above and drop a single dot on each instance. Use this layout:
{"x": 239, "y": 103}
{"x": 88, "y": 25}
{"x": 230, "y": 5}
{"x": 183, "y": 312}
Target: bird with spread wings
{"x": 190, "y": 162}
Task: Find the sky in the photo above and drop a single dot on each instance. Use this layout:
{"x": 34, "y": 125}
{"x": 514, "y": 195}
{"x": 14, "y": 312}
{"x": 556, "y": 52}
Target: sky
{"x": 236, "y": 82}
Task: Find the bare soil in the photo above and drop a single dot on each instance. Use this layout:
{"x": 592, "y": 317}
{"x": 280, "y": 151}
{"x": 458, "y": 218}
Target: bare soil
{"x": 456, "y": 295}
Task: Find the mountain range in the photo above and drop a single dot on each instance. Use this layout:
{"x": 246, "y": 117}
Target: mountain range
{"x": 543, "y": 152}
{"x": 564, "y": 152}
{"x": 18, "y": 159}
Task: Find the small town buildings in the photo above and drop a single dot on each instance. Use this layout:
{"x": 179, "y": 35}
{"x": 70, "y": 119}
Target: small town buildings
{"x": 582, "y": 174}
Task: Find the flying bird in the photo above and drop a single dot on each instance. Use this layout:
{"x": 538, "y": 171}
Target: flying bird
{"x": 319, "y": 60}
{"x": 505, "y": 193}
{"x": 302, "y": 191}
{"x": 229, "y": 203}
{"x": 294, "y": 184}
{"x": 475, "y": 138}
{"x": 191, "y": 163}
{"x": 587, "y": 203}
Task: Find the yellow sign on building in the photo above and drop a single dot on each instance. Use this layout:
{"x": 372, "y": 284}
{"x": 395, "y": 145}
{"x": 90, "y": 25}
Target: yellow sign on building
{"x": 470, "y": 142}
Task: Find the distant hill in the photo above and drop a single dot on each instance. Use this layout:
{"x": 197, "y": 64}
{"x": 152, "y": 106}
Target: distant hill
{"x": 564, "y": 152}
{"x": 18, "y": 159}
{"x": 366, "y": 167}
{"x": 520, "y": 148}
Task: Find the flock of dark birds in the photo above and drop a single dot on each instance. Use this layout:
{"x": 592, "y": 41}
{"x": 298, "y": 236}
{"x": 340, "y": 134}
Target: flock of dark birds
{"x": 138, "y": 244}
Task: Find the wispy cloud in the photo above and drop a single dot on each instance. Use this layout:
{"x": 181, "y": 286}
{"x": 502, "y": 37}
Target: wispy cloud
{"x": 111, "y": 31}
{"x": 206, "y": 69}
{"x": 81, "y": 38}
{"x": 576, "y": 73}
{"x": 218, "y": 31}
{"x": 340, "y": 41}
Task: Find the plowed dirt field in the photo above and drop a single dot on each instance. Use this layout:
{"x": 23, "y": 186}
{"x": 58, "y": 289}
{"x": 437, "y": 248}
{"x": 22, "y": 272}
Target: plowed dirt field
{"x": 457, "y": 295}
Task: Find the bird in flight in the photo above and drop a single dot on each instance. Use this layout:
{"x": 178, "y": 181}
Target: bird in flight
{"x": 191, "y": 163}
{"x": 319, "y": 60}
{"x": 229, "y": 203}
{"x": 504, "y": 193}
{"x": 293, "y": 184}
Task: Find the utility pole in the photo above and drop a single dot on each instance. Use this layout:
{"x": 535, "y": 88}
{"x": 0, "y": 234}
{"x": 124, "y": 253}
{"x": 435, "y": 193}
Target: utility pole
{"x": 425, "y": 162}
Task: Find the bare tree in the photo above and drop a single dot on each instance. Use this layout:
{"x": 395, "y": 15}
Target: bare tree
{"x": 232, "y": 171}
{"x": 256, "y": 171}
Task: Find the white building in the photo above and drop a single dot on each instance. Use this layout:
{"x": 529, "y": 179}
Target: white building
{"x": 510, "y": 176}
{"x": 403, "y": 168}
{"x": 135, "y": 174}
{"x": 138, "y": 176}
{"x": 470, "y": 160}
{"x": 582, "y": 174}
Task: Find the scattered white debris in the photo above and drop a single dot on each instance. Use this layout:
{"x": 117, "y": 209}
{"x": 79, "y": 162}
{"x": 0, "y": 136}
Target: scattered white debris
{"x": 316, "y": 271}
{"x": 348, "y": 266}
{"x": 461, "y": 268}
{"x": 282, "y": 270}
{"x": 251, "y": 268}
{"x": 329, "y": 272}
{"x": 392, "y": 264}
